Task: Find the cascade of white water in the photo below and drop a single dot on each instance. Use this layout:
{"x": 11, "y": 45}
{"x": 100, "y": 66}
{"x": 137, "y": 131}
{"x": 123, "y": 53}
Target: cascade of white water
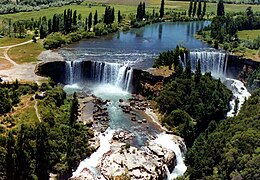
{"x": 240, "y": 92}
{"x": 104, "y": 73}
{"x": 166, "y": 140}
{"x": 73, "y": 71}
{"x": 129, "y": 77}
{"x": 69, "y": 73}
{"x": 112, "y": 73}
{"x": 91, "y": 163}
{"x": 211, "y": 61}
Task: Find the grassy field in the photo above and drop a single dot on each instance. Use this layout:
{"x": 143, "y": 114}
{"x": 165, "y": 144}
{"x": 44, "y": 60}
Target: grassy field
{"x": 126, "y": 7}
{"x": 27, "y": 114}
{"x": 23, "y": 113}
{"x": 26, "y": 53}
{"x": 248, "y": 34}
{"x": 7, "y": 41}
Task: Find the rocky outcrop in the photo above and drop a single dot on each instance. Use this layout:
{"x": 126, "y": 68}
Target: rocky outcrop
{"x": 145, "y": 163}
{"x": 124, "y": 160}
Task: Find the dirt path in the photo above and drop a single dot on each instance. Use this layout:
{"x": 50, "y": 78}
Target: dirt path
{"x": 36, "y": 110}
{"x": 22, "y": 72}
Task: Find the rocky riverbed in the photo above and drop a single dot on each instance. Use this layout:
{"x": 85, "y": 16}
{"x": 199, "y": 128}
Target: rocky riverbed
{"x": 116, "y": 153}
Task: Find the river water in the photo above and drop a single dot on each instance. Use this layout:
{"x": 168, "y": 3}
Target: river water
{"x": 137, "y": 47}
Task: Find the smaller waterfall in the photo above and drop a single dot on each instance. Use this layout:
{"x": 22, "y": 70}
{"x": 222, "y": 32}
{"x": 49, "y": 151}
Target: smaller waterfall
{"x": 239, "y": 91}
{"x": 211, "y": 61}
{"x": 91, "y": 163}
{"x": 166, "y": 140}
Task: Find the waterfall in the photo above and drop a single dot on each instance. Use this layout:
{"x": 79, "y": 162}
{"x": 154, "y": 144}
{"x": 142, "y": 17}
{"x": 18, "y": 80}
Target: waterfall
{"x": 100, "y": 72}
{"x": 91, "y": 162}
{"x": 211, "y": 61}
{"x": 166, "y": 141}
{"x": 239, "y": 91}
{"x": 73, "y": 72}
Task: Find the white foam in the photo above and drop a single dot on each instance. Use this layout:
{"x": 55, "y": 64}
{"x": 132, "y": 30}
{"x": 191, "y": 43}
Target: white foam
{"x": 91, "y": 163}
{"x": 239, "y": 91}
{"x": 166, "y": 141}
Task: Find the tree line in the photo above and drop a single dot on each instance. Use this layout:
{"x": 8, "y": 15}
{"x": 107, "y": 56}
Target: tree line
{"x": 9, "y": 6}
{"x": 197, "y": 10}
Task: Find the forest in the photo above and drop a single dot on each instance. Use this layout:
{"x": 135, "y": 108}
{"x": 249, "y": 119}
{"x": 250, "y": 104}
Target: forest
{"x": 55, "y": 143}
{"x": 194, "y": 106}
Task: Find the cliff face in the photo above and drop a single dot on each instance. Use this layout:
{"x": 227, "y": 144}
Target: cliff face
{"x": 55, "y": 70}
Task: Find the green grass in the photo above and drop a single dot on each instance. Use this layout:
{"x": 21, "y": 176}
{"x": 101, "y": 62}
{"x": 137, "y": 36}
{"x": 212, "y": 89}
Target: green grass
{"x": 7, "y": 41}
{"x": 248, "y": 34}
{"x": 27, "y": 116}
{"x": 26, "y": 53}
{"x": 125, "y": 8}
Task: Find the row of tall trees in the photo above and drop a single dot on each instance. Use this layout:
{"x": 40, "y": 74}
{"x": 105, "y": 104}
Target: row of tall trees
{"x": 109, "y": 16}
{"x": 198, "y": 10}
{"x": 140, "y": 14}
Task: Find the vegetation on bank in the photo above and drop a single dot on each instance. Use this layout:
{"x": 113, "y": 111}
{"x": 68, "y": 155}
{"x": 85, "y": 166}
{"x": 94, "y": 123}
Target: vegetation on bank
{"x": 194, "y": 106}
{"x": 32, "y": 149}
{"x": 192, "y": 100}
{"x": 224, "y": 31}
{"x": 230, "y": 149}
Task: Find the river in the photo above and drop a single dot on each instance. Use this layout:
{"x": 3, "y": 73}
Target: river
{"x": 113, "y": 58}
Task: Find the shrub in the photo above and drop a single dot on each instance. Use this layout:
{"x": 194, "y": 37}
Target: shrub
{"x": 54, "y": 40}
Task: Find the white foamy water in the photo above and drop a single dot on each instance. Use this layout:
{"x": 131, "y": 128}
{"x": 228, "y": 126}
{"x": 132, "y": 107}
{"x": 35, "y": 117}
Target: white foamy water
{"x": 239, "y": 91}
{"x": 91, "y": 163}
{"x": 166, "y": 141}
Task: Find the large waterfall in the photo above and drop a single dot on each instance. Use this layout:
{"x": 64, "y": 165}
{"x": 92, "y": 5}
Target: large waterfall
{"x": 100, "y": 72}
{"x": 211, "y": 61}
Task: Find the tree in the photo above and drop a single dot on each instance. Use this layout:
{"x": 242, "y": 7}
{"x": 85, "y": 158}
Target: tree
{"x": 143, "y": 9}
{"x": 220, "y": 8}
{"x": 162, "y": 9}
{"x": 197, "y": 73}
{"x": 204, "y": 9}
{"x": 49, "y": 26}
{"x": 42, "y": 165}
{"x": 10, "y": 159}
{"x": 194, "y": 8}
{"x": 236, "y": 106}
{"x": 190, "y": 8}
{"x": 95, "y": 18}
{"x": 199, "y": 13}
{"x": 119, "y": 17}
{"x": 86, "y": 24}
{"x": 250, "y": 16}
{"x": 187, "y": 72}
{"x": 89, "y": 21}
{"x": 42, "y": 35}
{"x": 24, "y": 151}
{"x": 65, "y": 21}
{"x": 74, "y": 110}
{"x": 74, "y": 21}
{"x": 139, "y": 15}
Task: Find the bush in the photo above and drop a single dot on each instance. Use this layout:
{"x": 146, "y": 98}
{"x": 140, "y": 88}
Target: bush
{"x": 100, "y": 29}
{"x": 54, "y": 40}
